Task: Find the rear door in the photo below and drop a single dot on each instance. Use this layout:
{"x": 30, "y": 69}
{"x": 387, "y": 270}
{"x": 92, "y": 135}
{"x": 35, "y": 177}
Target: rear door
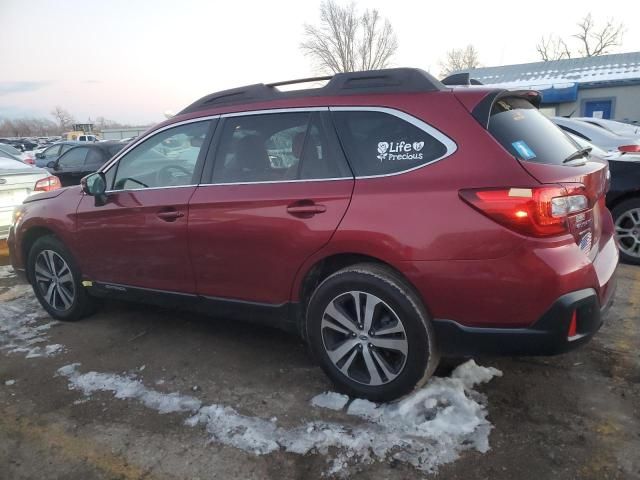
{"x": 278, "y": 187}
{"x": 552, "y": 157}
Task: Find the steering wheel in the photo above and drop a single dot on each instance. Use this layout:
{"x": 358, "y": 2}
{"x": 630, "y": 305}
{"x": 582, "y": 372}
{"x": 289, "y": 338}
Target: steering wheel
{"x": 166, "y": 177}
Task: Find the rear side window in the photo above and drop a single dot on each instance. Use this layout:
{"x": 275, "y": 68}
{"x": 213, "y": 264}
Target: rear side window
{"x": 74, "y": 158}
{"x": 527, "y": 134}
{"x": 378, "y": 143}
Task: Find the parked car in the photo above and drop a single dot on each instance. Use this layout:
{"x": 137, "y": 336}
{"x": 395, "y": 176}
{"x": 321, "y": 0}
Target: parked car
{"x": 623, "y": 199}
{"x": 17, "y": 181}
{"x": 619, "y": 128}
{"x": 24, "y": 157}
{"x": 384, "y": 217}
{"x": 52, "y": 153}
{"x": 598, "y": 136}
{"x": 80, "y": 160}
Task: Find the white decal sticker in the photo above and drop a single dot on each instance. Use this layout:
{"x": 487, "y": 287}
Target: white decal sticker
{"x": 394, "y": 151}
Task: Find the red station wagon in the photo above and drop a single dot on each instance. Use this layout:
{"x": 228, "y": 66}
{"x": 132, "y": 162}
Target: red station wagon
{"x": 387, "y": 218}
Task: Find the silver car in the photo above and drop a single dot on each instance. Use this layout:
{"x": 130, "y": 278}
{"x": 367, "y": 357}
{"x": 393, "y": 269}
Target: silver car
{"x": 17, "y": 181}
{"x": 604, "y": 139}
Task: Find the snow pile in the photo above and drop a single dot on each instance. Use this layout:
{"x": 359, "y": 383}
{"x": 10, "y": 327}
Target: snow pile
{"x": 427, "y": 429}
{"x": 127, "y": 387}
{"x": 21, "y": 327}
{"x": 330, "y": 400}
{"x": 6, "y": 271}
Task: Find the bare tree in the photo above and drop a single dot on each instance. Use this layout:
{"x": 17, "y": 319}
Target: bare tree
{"x": 593, "y": 41}
{"x": 348, "y": 41}
{"x": 457, "y": 59}
{"x": 64, "y": 118}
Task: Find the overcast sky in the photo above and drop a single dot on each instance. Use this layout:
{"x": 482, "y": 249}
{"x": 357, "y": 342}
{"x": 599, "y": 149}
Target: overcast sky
{"x": 131, "y": 60}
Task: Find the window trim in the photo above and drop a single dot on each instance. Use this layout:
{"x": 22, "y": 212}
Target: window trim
{"x": 449, "y": 143}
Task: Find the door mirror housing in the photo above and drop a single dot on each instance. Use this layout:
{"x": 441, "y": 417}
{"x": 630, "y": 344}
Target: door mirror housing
{"x": 40, "y": 155}
{"x": 95, "y": 185}
{"x": 53, "y": 165}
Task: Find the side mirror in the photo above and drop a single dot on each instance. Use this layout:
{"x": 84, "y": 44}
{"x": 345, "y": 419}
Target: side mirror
{"x": 95, "y": 184}
{"x": 52, "y": 165}
{"x": 40, "y": 155}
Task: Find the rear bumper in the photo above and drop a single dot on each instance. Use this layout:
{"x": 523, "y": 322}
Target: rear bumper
{"x": 547, "y": 336}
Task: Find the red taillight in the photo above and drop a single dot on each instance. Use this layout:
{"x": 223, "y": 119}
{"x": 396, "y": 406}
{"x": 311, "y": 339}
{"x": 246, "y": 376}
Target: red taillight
{"x": 537, "y": 211}
{"x": 29, "y": 161}
{"x": 629, "y": 148}
{"x": 47, "y": 184}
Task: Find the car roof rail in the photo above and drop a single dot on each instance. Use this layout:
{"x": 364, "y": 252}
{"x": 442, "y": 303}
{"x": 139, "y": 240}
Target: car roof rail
{"x": 391, "y": 80}
{"x": 463, "y": 78}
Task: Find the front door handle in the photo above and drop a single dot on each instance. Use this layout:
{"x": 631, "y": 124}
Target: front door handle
{"x": 170, "y": 215}
{"x": 306, "y": 209}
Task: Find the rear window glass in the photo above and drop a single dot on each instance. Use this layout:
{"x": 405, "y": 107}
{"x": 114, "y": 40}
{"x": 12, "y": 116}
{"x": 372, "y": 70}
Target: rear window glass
{"x": 378, "y": 143}
{"x": 527, "y": 134}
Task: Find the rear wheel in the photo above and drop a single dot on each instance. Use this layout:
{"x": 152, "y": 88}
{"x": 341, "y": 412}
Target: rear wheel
{"x": 56, "y": 280}
{"x": 370, "y": 333}
{"x": 626, "y": 216}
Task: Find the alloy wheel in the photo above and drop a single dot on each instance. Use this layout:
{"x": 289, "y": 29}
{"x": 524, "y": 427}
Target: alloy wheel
{"x": 364, "y": 338}
{"x": 54, "y": 280}
{"x": 628, "y": 232}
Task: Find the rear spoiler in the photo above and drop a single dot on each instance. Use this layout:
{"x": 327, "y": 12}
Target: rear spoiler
{"x": 461, "y": 79}
{"x": 482, "y": 111}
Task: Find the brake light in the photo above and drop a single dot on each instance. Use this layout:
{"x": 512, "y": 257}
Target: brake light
{"x": 629, "y": 148}
{"x": 29, "y": 161}
{"x": 47, "y": 184}
{"x": 537, "y": 211}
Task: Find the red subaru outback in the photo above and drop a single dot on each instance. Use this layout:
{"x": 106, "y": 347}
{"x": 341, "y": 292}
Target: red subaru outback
{"x": 387, "y": 218}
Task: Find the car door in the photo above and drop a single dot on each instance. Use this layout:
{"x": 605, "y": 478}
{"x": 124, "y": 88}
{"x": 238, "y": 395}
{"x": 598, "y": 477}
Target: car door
{"x": 68, "y": 168}
{"x": 138, "y": 237}
{"x": 278, "y": 189}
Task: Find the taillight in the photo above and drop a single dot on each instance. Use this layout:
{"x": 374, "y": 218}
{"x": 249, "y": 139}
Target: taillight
{"x": 29, "y": 161}
{"x": 47, "y": 184}
{"x": 537, "y": 211}
{"x": 629, "y": 148}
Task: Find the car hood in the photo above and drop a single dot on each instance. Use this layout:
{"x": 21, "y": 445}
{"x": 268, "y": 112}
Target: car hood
{"x": 52, "y": 194}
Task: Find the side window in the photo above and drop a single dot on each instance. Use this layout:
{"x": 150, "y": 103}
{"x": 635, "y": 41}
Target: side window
{"x": 277, "y": 147}
{"x": 95, "y": 158}
{"x": 74, "y": 158}
{"x": 165, "y": 159}
{"x": 259, "y": 148}
{"x": 378, "y": 143}
{"x": 52, "y": 152}
{"x": 64, "y": 148}
{"x": 82, "y": 138}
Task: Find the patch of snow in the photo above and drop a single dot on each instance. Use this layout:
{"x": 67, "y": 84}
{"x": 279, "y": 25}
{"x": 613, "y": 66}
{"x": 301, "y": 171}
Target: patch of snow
{"x": 8, "y": 383}
{"x": 427, "y": 429}
{"x": 127, "y": 387}
{"x": 6, "y": 271}
{"x": 330, "y": 400}
{"x": 21, "y": 326}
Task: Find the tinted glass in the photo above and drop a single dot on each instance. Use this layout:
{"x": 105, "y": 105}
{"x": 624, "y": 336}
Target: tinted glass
{"x": 65, "y": 147}
{"x": 10, "y": 149}
{"x": 52, "y": 152}
{"x": 74, "y": 158}
{"x": 277, "y": 147}
{"x": 164, "y": 160}
{"x": 527, "y": 134}
{"x": 378, "y": 143}
{"x": 95, "y": 157}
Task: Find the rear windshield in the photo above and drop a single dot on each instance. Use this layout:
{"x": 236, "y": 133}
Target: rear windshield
{"x": 527, "y": 134}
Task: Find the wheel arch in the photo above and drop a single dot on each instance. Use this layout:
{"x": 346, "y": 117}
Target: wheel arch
{"x": 309, "y": 278}
{"x": 29, "y": 238}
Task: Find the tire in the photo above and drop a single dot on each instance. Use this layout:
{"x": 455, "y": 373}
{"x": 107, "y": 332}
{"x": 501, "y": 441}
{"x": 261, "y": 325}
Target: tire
{"x": 626, "y": 217}
{"x": 61, "y": 294}
{"x": 367, "y": 363}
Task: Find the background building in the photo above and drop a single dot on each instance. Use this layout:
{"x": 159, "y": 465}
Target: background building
{"x": 120, "y": 133}
{"x": 607, "y": 86}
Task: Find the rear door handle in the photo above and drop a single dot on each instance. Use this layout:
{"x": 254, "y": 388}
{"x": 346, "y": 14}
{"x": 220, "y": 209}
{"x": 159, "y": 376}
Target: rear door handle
{"x": 306, "y": 209}
{"x": 170, "y": 215}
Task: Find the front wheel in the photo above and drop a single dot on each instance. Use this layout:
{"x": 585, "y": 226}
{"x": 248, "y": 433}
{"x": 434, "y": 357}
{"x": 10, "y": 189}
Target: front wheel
{"x": 56, "y": 280}
{"x": 370, "y": 333}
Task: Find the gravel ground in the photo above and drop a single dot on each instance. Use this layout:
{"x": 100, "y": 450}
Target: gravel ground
{"x": 571, "y": 416}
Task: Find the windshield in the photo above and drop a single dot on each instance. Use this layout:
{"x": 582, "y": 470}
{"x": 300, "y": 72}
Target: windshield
{"x": 527, "y": 134}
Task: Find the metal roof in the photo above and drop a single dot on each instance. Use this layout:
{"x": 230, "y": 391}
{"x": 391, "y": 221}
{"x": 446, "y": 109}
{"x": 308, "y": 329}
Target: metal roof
{"x": 588, "y": 70}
